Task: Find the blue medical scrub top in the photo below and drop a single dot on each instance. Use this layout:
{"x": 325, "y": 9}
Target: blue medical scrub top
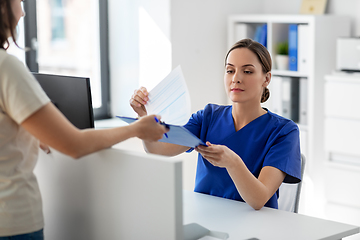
{"x": 269, "y": 140}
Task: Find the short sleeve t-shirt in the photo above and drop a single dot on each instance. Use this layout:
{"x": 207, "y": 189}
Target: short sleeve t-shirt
{"x": 20, "y": 97}
{"x": 269, "y": 140}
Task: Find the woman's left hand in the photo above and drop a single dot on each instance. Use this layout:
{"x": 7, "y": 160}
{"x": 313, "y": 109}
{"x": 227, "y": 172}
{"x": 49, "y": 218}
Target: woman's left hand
{"x": 218, "y": 155}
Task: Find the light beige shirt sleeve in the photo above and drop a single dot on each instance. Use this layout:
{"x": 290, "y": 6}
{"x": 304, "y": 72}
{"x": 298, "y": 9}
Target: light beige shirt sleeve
{"x": 21, "y": 95}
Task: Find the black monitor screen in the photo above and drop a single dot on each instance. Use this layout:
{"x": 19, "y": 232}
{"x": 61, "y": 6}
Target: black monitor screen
{"x": 71, "y": 95}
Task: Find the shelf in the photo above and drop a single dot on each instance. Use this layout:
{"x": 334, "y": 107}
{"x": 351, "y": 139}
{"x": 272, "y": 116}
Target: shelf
{"x": 286, "y": 73}
{"x": 278, "y": 18}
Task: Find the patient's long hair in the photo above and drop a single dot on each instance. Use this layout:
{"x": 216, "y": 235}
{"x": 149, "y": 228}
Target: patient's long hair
{"x": 7, "y": 24}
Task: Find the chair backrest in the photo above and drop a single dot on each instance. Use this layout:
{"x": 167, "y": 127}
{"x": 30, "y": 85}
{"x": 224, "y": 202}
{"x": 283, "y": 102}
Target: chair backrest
{"x": 290, "y": 193}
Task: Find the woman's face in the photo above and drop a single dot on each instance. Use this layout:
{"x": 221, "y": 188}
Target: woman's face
{"x": 244, "y": 78}
{"x": 17, "y": 10}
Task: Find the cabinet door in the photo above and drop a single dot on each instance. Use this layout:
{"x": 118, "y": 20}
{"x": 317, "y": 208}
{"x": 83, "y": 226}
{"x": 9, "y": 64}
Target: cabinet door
{"x": 342, "y": 136}
{"x": 342, "y": 185}
{"x": 341, "y": 99}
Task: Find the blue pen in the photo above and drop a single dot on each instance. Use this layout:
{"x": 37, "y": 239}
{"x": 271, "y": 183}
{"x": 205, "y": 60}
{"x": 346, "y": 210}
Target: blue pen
{"x": 157, "y": 120}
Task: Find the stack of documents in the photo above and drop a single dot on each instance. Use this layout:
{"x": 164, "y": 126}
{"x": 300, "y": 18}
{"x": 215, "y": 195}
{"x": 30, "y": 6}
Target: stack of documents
{"x": 171, "y": 100}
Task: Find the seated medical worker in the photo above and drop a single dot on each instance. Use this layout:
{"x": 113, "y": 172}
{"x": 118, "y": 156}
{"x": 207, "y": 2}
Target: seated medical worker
{"x": 250, "y": 150}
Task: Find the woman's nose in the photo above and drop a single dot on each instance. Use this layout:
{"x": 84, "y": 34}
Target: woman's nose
{"x": 236, "y": 78}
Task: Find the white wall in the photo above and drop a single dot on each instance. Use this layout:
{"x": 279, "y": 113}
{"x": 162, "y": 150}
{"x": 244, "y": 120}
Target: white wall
{"x": 199, "y": 44}
{"x": 197, "y": 31}
{"x": 124, "y": 21}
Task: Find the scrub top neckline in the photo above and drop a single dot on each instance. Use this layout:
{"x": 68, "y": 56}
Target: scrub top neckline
{"x": 250, "y": 123}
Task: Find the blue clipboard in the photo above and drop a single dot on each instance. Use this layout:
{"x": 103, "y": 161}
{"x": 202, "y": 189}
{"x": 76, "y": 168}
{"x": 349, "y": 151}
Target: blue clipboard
{"x": 176, "y": 135}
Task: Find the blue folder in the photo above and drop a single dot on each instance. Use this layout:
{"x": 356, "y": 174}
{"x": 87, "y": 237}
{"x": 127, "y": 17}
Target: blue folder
{"x": 176, "y": 135}
{"x": 293, "y": 47}
{"x": 263, "y": 35}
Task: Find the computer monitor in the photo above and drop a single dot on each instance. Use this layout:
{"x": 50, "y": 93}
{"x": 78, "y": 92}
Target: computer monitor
{"x": 71, "y": 95}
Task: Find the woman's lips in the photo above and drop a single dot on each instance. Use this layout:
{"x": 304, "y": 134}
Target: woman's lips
{"x": 236, "y": 90}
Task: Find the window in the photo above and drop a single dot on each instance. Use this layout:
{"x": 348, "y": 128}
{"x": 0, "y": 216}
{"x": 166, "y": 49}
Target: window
{"x": 69, "y": 37}
{"x": 57, "y": 20}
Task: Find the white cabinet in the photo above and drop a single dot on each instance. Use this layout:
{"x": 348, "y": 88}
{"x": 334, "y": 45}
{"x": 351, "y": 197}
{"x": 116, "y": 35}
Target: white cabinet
{"x": 342, "y": 147}
{"x": 319, "y": 48}
{"x": 342, "y": 118}
{"x": 342, "y": 95}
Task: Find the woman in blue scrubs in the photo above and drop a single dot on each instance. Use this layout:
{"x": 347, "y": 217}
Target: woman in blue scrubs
{"x": 250, "y": 151}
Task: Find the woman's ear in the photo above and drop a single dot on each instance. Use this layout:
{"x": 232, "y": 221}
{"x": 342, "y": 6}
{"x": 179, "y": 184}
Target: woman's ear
{"x": 267, "y": 79}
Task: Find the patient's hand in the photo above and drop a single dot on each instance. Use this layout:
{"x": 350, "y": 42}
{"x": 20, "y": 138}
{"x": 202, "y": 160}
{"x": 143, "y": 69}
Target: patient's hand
{"x": 148, "y": 129}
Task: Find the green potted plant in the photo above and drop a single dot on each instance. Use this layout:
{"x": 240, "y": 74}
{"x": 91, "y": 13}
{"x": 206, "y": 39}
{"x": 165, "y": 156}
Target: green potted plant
{"x": 282, "y": 56}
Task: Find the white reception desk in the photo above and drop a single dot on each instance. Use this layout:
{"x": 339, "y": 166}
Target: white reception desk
{"x": 117, "y": 194}
{"x": 240, "y": 221}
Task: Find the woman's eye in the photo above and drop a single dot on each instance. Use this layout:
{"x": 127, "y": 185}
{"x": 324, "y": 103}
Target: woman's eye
{"x": 247, "y": 72}
{"x": 229, "y": 71}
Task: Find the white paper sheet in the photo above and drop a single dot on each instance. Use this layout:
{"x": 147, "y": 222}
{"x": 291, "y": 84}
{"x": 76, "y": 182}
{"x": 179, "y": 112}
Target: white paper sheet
{"x": 171, "y": 99}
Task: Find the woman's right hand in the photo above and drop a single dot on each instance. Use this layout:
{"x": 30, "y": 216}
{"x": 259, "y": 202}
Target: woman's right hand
{"x": 149, "y": 129}
{"x": 138, "y": 101}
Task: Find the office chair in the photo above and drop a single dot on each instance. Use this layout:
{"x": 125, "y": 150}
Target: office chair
{"x": 290, "y": 193}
